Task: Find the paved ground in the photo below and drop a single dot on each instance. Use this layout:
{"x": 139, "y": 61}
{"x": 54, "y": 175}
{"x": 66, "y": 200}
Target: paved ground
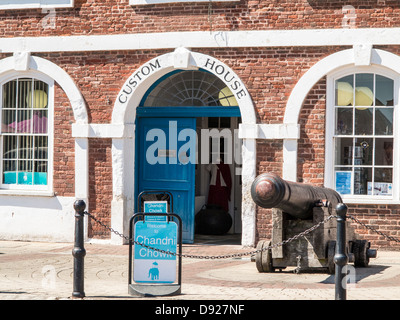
{"x": 38, "y": 270}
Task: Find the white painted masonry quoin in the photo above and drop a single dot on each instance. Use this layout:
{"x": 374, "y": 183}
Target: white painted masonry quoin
{"x": 32, "y": 215}
{"x": 203, "y": 39}
{"x": 32, "y": 4}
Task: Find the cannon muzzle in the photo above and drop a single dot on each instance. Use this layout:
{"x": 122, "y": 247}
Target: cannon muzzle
{"x": 271, "y": 191}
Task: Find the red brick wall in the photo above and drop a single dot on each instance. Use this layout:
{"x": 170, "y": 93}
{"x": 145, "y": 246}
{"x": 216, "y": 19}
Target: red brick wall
{"x": 311, "y": 160}
{"x": 100, "y": 186}
{"x": 117, "y": 16}
{"x": 269, "y": 74}
{"x": 311, "y": 145}
{"x": 64, "y": 146}
{"x": 384, "y": 218}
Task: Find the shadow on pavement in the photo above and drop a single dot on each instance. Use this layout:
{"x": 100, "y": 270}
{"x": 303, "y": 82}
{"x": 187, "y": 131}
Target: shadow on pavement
{"x": 359, "y": 274}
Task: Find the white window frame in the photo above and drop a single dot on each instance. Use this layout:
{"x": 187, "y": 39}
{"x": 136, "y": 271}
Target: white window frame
{"x": 330, "y": 130}
{"x": 31, "y": 189}
{"x": 144, "y": 2}
{"x": 35, "y": 4}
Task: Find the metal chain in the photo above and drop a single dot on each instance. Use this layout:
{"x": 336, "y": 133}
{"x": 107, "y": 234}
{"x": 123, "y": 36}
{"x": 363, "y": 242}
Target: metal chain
{"x": 238, "y": 255}
{"x": 105, "y": 226}
{"x": 227, "y": 256}
{"x": 373, "y": 229}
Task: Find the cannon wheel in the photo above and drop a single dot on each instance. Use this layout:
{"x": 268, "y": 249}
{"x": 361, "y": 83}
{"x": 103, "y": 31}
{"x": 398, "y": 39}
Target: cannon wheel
{"x": 331, "y": 249}
{"x": 264, "y": 258}
{"x": 360, "y": 250}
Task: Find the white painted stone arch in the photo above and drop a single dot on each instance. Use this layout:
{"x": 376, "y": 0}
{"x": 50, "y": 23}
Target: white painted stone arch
{"x": 24, "y": 62}
{"x": 125, "y": 105}
{"x": 78, "y": 106}
{"x": 31, "y": 63}
{"x": 49, "y": 216}
{"x": 124, "y": 114}
{"x": 359, "y": 55}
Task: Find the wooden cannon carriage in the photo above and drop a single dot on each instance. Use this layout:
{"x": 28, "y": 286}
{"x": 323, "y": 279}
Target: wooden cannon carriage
{"x": 297, "y": 207}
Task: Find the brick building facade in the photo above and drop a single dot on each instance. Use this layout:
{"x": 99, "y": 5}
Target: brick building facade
{"x": 282, "y": 62}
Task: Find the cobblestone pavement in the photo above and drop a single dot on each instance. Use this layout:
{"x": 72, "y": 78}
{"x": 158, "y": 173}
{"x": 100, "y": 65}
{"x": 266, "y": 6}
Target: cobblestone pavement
{"x": 44, "y": 271}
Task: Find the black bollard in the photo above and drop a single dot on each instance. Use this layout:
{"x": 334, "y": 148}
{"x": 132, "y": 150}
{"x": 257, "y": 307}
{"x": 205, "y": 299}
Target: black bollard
{"x": 340, "y": 257}
{"x": 79, "y": 251}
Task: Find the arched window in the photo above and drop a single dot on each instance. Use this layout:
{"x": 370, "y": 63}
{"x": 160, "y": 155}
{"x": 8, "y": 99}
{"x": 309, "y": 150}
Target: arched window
{"x": 361, "y": 143}
{"x": 26, "y": 133}
{"x": 189, "y": 88}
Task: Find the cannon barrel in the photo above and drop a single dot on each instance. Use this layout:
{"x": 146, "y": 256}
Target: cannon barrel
{"x": 271, "y": 191}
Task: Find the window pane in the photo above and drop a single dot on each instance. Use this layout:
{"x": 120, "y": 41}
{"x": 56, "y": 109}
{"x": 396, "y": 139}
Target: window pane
{"x": 382, "y": 182}
{"x": 40, "y": 166}
{"x": 9, "y": 165}
{"x": 363, "y": 121}
{"x": 24, "y": 92}
{"x": 384, "y": 91}
{"x": 384, "y": 121}
{"x": 10, "y": 94}
{"x": 364, "y": 93}
{"x": 25, "y": 147}
{"x": 384, "y": 152}
{"x": 383, "y": 175}
{"x": 39, "y": 121}
{"x": 38, "y": 99}
{"x": 24, "y": 113}
{"x": 344, "y": 121}
{"x": 41, "y": 148}
{"x": 343, "y": 151}
{"x": 8, "y": 120}
{"x": 40, "y": 173}
{"x": 9, "y": 172}
{"x": 344, "y": 91}
{"x": 361, "y": 178}
{"x": 24, "y": 172}
{"x": 363, "y": 150}
{"x": 187, "y": 88}
{"x": 9, "y": 147}
{"x": 23, "y": 124}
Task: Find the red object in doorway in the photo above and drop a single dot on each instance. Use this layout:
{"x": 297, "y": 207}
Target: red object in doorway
{"x": 220, "y": 190}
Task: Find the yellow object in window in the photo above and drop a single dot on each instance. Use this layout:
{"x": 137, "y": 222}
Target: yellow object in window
{"x": 226, "y": 98}
{"x": 344, "y": 94}
{"x": 364, "y": 97}
{"x": 39, "y": 99}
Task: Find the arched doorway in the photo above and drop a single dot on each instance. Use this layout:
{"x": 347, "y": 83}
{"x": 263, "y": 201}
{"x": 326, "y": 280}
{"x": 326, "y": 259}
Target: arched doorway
{"x": 186, "y": 133}
{"x": 124, "y": 145}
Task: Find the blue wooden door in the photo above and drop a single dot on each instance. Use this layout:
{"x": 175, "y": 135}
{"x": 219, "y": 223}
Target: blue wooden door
{"x": 166, "y": 161}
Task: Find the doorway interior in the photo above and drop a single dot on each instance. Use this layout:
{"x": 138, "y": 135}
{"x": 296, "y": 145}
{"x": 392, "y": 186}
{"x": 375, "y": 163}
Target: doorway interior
{"x": 227, "y": 148}
{"x": 201, "y": 96}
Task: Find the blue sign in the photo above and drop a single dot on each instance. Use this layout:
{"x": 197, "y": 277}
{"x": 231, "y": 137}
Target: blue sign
{"x": 343, "y": 182}
{"x": 156, "y": 207}
{"x": 151, "y": 266}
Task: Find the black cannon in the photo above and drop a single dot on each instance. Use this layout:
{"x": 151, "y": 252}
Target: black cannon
{"x": 270, "y": 191}
{"x": 296, "y": 207}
